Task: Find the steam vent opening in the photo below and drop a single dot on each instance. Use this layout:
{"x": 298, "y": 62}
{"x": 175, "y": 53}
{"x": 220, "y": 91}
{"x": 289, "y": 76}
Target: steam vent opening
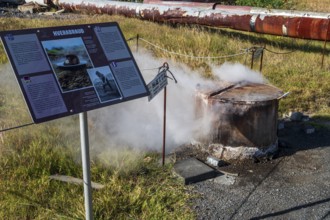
{"x": 243, "y": 119}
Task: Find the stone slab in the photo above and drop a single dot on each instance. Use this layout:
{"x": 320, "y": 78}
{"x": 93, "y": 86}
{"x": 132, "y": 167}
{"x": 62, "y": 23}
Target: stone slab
{"x": 192, "y": 170}
{"x": 70, "y": 179}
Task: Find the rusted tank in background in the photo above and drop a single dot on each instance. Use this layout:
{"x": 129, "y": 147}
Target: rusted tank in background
{"x": 297, "y": 24}
{"x": 244, "y": 119}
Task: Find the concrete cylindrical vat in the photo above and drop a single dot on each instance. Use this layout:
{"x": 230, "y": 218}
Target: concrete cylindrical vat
{"x": 244, "y": 119}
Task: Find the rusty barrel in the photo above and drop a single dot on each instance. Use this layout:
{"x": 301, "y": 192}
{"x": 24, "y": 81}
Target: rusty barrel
{"x": 243, "y": 115}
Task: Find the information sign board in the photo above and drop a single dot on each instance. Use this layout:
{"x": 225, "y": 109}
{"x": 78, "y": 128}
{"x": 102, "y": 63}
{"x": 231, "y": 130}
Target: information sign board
{"x": 157, "y": 84}
{"x": 72, "y": 69}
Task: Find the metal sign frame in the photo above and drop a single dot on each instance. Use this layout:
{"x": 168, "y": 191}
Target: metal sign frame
{"x": 68, "y": 70}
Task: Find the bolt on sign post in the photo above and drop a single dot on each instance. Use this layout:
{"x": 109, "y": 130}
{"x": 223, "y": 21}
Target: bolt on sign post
{"x": 70, "y": 70}
{"x": 154, "y": 87}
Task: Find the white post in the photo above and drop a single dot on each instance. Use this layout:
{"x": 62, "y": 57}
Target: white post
{"x": 84, "y": 142}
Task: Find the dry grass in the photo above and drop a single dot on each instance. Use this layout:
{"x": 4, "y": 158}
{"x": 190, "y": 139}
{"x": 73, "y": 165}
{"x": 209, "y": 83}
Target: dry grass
{"x": 313, "y": 5}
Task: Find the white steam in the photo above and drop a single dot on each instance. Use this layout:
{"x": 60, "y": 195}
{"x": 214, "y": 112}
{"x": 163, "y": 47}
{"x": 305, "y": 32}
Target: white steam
{"x": 139, "y": 123}
{"x": 235, "y": 73}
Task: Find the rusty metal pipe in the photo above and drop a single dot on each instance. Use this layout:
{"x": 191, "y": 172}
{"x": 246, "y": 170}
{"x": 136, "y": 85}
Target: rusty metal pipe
{"x": 297, "y": 24}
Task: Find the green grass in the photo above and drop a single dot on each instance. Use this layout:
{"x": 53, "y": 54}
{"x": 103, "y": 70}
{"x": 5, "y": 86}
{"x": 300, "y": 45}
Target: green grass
{"x": 136, "y": 188}
{"x": 145, "y": 191}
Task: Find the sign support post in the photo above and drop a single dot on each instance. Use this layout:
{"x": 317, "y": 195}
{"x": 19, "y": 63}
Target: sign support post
{"x": 154, "y": 87}
{"x": 84, "y": 142}
{"x": 164, "y": 127}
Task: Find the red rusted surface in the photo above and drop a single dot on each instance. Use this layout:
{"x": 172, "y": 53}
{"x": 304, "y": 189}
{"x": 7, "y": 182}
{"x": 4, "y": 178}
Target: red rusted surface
{"x": 181, "y": 3}
{"x": 242, "y": 115}
{"x": 284, "y": 23}
{"x": 106, "y": 9}
{"x": 270, "y": 25}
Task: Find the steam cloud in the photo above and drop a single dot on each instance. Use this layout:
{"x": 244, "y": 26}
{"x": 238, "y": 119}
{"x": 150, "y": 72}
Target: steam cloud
{"x": 235, "y": 73}
{"x": 139, "y": 123}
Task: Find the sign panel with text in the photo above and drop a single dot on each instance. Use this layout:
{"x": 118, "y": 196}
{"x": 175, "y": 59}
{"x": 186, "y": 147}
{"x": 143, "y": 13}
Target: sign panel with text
{"x": 157, "y": 84}
{"x": 72, "y": 69}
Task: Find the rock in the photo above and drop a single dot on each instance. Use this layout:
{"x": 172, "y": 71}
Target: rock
{"x": 296, "y": 116}
{"x": 309, "y": 129}
{"x": 225, "y": 180}
{"x": 26, "y": 8}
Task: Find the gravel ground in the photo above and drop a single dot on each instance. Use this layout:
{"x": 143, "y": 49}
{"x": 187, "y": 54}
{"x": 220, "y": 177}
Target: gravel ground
{"x": 294, "y": 185}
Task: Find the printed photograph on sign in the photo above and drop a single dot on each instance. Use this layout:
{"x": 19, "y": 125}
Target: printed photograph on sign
{"x": 104, "y": 84}
{"x": 70, "y": 61}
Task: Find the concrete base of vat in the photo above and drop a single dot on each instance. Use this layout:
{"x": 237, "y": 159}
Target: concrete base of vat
{"x": 242, "y": 152}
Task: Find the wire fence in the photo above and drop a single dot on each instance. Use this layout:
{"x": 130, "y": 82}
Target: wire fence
{"x": 192, "y": 56}
{"x": 256, "y": 52}
{"x": 250, "y": 50}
